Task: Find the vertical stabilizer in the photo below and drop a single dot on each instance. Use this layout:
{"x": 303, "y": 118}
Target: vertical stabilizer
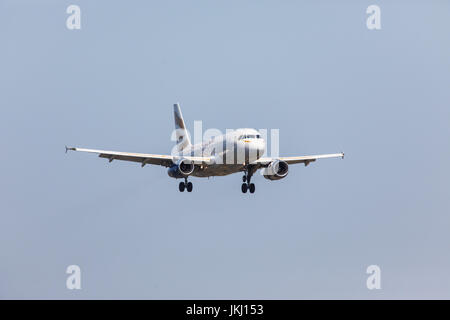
{"x": 182, "y": 136}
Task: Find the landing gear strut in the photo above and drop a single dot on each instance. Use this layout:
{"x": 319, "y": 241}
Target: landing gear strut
{"x": 185, "y": 185}
{"x": 246, "y": 179}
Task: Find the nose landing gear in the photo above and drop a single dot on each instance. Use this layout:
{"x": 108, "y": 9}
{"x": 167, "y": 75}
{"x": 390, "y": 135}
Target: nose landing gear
{"x": 185, "y": 185}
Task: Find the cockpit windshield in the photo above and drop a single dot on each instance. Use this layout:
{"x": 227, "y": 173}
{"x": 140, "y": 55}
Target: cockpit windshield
{"x": 250, "y": 136}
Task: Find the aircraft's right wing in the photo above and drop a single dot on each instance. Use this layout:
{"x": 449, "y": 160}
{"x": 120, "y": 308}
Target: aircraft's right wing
{"x": 142, "y": 158}
{"x": 301, "y": 159}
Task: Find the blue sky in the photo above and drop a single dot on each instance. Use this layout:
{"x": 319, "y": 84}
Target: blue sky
{"x": 310, "y": 69}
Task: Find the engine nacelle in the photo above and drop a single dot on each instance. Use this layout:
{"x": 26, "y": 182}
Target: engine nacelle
{"x": 182, "y": 169}
{"x": 276, "y": 170}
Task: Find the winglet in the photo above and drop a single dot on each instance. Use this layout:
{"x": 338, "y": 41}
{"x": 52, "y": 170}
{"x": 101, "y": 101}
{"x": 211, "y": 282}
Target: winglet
{"x": 343, "y": 155}
{"x": 69, "y": 148}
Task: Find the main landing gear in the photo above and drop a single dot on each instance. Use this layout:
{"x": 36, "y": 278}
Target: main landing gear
{"x": 247, "y": 185}
{"x": 185, "y": 185}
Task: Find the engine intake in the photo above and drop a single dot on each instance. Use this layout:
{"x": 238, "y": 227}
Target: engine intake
{"x": 182, "y": 169}
{"x": 276, "y": 170}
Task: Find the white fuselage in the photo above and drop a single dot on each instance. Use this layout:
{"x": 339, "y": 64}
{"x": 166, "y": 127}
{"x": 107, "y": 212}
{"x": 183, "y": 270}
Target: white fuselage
{"x": 229, "y": 152}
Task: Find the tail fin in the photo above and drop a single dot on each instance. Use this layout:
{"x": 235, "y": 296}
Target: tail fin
{"x": 183, "y": 140}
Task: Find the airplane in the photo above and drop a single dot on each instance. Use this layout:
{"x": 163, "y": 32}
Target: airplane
{"x": 241, "y": 150}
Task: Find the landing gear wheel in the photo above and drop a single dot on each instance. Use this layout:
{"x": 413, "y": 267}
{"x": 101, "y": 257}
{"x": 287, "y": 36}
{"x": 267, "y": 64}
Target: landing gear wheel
{"x": 251, "y": 187}
{"x": 181, "y": 186}
{"x": 244, "y": 179}
{"x": 189, "y": 186}
{"x": 244, "y": 188}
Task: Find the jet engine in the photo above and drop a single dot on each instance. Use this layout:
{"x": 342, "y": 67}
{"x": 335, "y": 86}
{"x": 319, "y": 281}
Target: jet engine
{"x": 181, "y": 169}
{"x": 276, "y": 170}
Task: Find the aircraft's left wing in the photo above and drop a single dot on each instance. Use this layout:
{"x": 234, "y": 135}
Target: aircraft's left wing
{"x": 301, "y": 159}
{"x": 142, "y": 158}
